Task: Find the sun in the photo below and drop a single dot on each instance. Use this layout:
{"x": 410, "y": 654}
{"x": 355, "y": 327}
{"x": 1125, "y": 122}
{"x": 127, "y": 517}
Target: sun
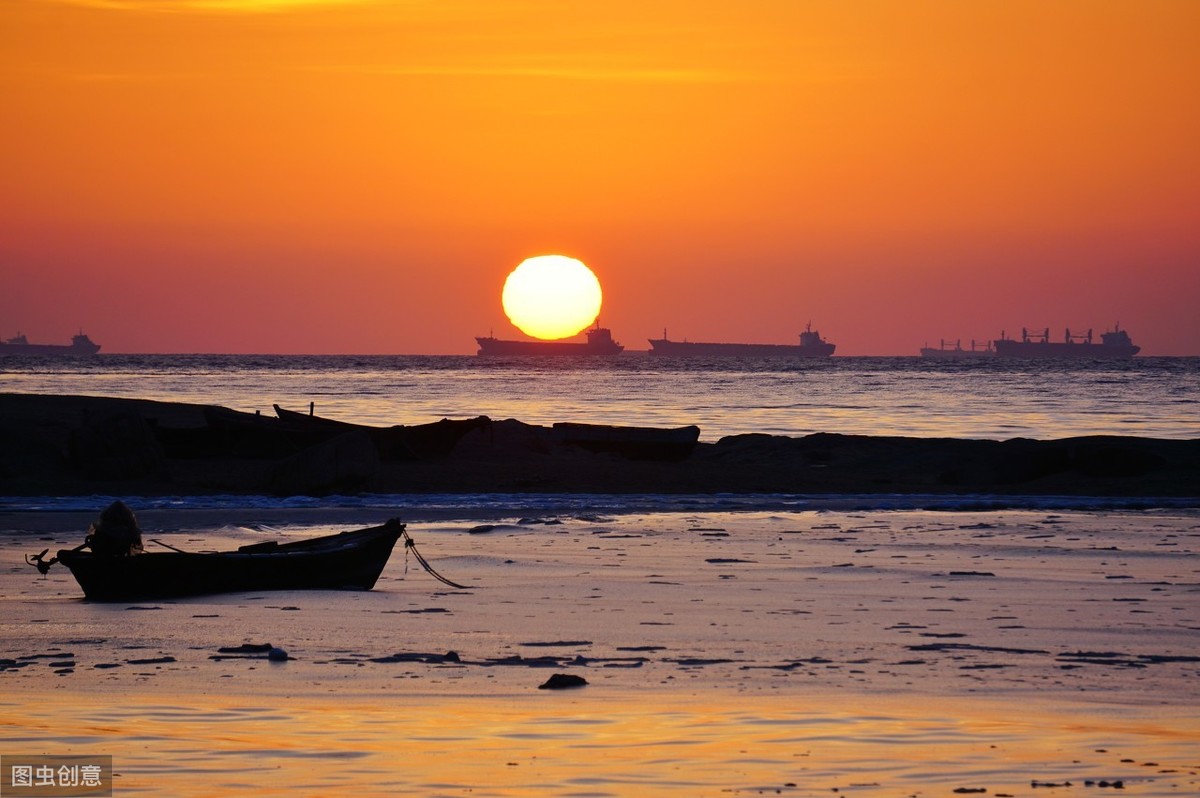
{"x": 551, "y": 296}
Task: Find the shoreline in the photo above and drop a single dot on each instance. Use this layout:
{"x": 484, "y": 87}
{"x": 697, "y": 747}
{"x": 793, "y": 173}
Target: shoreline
{"x": 158, "y": 515}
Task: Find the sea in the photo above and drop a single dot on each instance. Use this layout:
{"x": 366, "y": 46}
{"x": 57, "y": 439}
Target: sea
{"x": 1157, "y": 397}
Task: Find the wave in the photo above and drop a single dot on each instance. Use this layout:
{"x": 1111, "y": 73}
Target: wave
{"x": 415, "y": 506}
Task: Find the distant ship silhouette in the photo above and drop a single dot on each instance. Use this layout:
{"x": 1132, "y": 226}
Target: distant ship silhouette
{"x": 984, "y": 349}
{"x": 1115, "y": 344}
{"x": 19, "y": 345}
{"x": 599, "y": 342}
{"x": 811, "y": 345}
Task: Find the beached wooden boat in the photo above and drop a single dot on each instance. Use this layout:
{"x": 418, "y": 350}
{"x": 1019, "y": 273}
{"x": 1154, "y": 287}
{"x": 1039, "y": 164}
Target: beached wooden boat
{"x": 400, "y": 442}
{"x": 634, "y": 443}
{"x": 346, "y": 561}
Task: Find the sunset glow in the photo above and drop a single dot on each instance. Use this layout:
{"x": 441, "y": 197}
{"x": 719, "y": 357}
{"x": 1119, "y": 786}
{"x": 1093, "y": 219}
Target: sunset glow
{"x": 902, "y": 172}
{"x": 551, "y": 296}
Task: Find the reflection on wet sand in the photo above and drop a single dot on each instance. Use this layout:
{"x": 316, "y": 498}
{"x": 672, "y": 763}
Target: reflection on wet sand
{"x": 609, "y": 745}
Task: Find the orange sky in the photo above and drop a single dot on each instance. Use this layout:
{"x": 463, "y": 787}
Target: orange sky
{"x": 342, "y": 176}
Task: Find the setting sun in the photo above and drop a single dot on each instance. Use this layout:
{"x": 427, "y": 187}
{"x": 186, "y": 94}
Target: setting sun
{"x": 551, "y": 296}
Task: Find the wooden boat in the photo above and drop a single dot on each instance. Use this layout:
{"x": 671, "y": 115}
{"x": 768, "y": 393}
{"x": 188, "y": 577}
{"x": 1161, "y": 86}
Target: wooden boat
{"x": 400, "y": 442}
{"x": 232, "y": 432}
{"x": 634, "y": 443}
{"x": 346, "y": 561}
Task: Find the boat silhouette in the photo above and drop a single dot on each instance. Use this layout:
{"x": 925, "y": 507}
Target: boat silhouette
{"x": 599, "y": 342}
{"x": 946, "y": 352}
{"x": 19, "y": 345}
{"x": 1115, "y": 344}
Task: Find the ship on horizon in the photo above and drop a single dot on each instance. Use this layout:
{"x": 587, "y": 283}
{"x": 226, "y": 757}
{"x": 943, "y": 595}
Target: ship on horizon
{"x": 19, "y": 345}
{"x": 984, "y": 349}
{"x": 811, "y": 345}
{"x": 599, "y": 342}
{"x": 1115, "y": 344}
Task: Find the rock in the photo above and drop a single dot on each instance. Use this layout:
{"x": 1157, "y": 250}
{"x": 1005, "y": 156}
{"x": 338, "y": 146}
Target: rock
{"x": 1106, "y": 458}
{"x": 277, "y": 654}
{"x": 246, "y": 649}
{"x": 346, "y": 463}
{"x": 563, "y": 681}
{"x": 168, "y": 448}
{"x": 118, "y": 445}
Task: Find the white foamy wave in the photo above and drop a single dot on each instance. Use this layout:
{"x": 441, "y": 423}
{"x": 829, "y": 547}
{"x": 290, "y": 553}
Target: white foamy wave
{"x": 416, "y": 506}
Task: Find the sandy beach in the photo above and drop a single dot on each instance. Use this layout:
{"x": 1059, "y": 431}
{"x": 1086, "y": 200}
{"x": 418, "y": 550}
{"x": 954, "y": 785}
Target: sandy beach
{"x": 880, "y": 653}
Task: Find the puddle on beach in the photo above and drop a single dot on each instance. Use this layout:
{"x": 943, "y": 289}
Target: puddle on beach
{"x": 571, "y": 744}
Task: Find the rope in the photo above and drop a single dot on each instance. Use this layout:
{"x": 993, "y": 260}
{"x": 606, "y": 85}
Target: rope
{"x": 167, "y": 545}
{"x": 410, "y": 545}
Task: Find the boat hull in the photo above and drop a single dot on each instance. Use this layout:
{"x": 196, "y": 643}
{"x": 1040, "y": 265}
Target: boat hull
{"x": 349, "y": 561}
{"x": 662, "y": 346}
{"x": 400, "y": 442}
{"x": 633, "y": 443}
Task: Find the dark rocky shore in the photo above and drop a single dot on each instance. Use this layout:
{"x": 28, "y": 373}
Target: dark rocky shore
{"x": 77, "y": 445}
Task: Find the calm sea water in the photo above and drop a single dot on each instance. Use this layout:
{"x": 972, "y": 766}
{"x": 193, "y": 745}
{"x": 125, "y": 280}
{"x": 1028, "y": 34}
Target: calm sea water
{"x": 1151, "y": 397}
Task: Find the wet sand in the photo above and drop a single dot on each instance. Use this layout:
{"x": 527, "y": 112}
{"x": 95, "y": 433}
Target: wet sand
{"x": 875, "y": 653}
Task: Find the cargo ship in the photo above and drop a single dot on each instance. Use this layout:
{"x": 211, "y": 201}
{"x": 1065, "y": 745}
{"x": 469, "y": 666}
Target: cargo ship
{"x": 811, "y": 345}
{"x": 19, "y": 345}
{"x": 945, "y": 352}
{"x": 599, "y": 342}
{"x": 1115, "y": 344}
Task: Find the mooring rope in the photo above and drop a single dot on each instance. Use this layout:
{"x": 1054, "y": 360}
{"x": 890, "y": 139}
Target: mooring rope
{"x": 410, "y": 545}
